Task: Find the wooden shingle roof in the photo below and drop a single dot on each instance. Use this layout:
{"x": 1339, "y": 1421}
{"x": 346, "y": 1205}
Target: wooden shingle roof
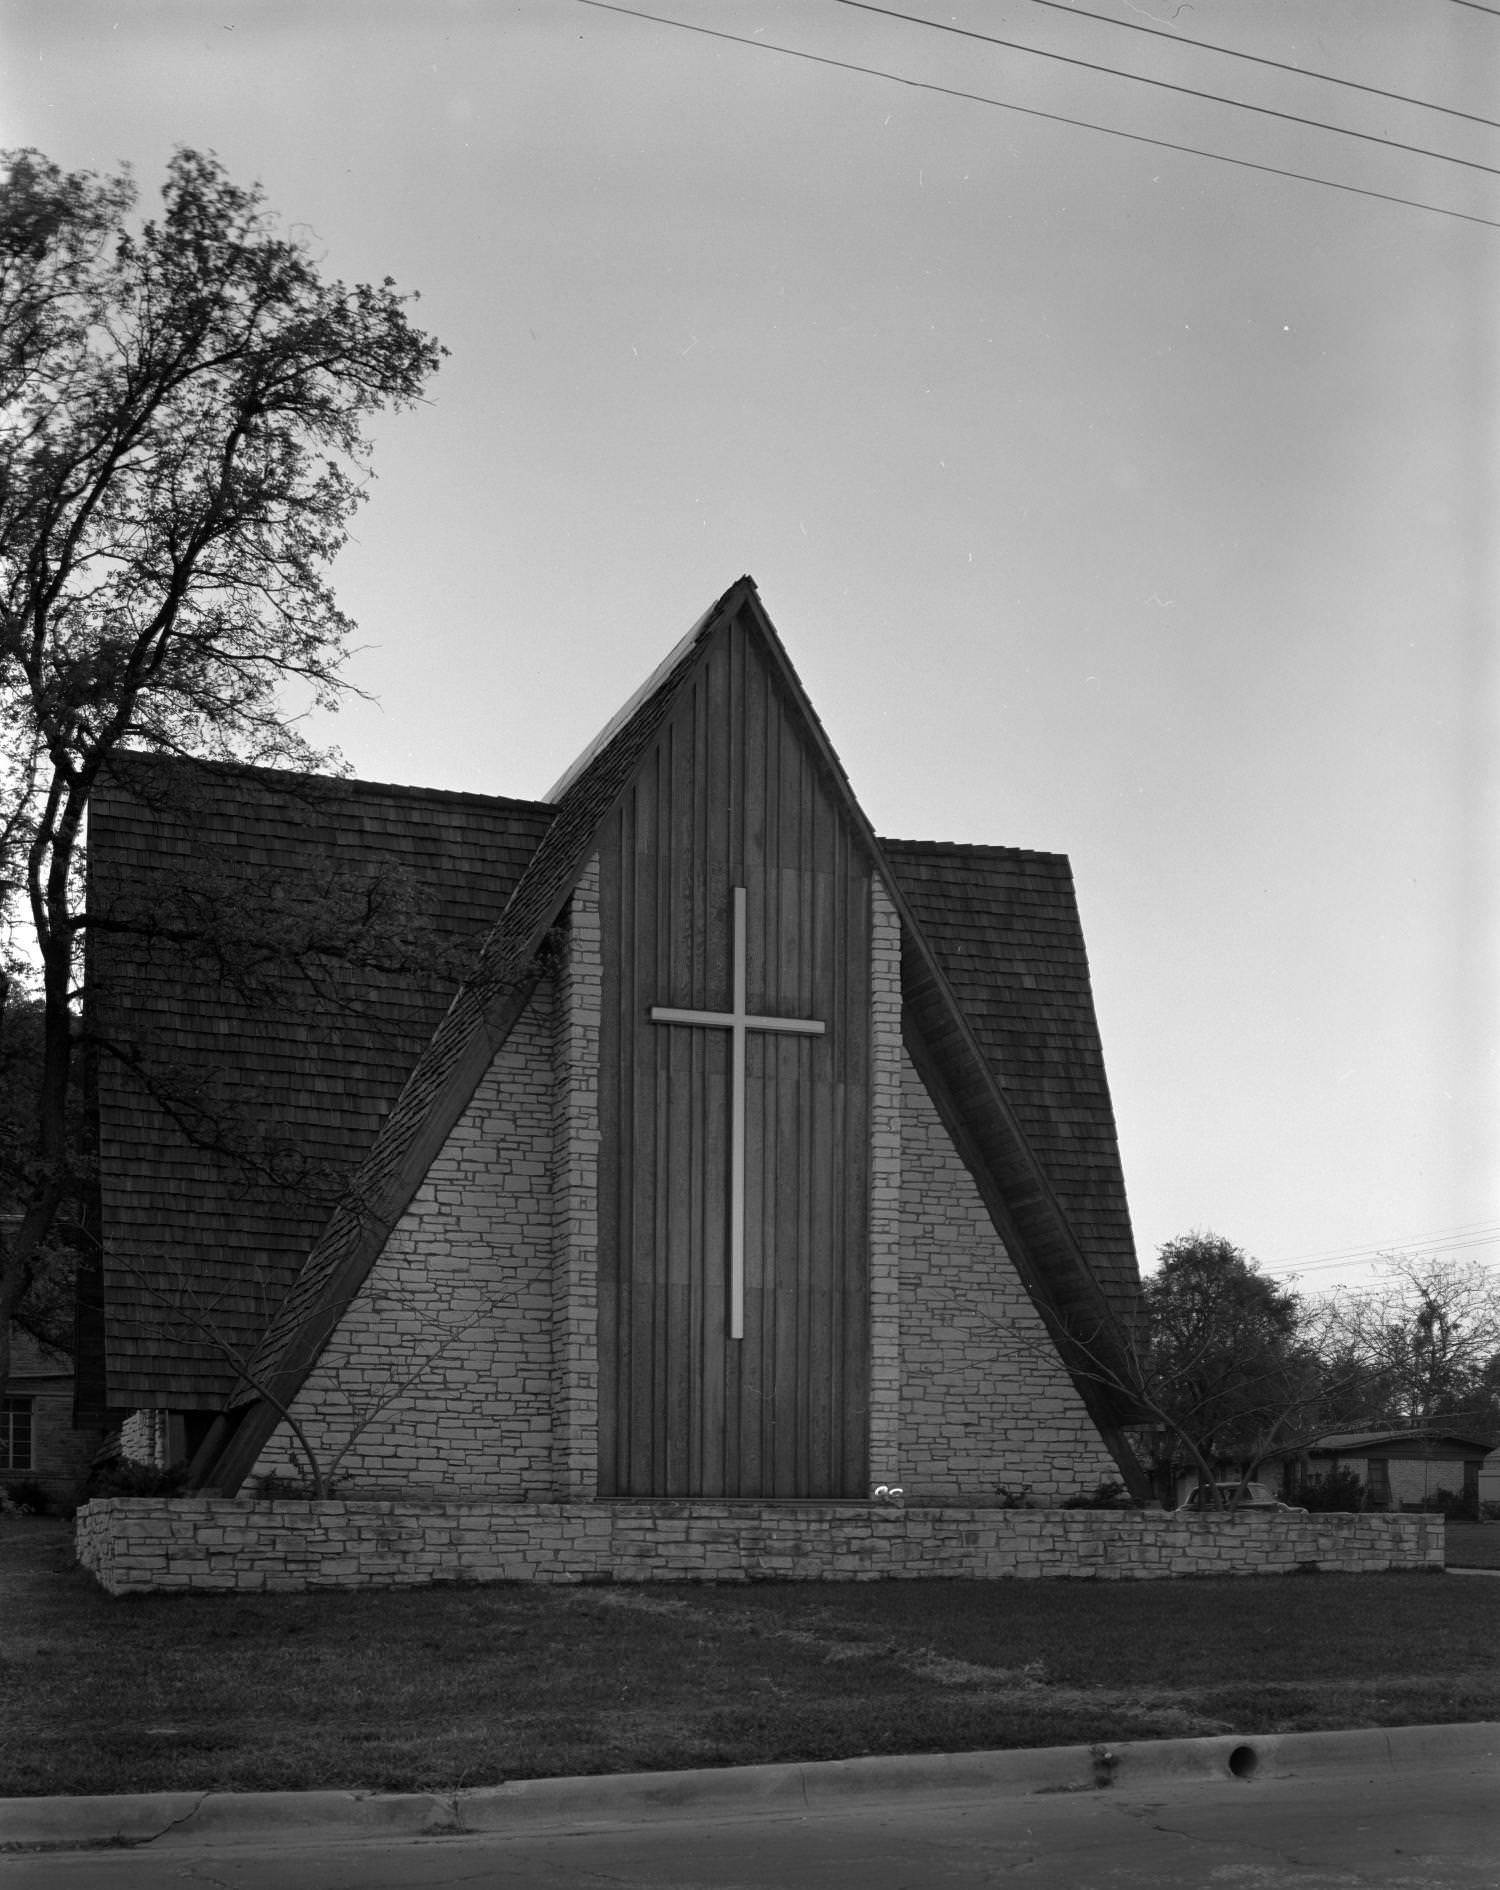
{"x": 1003, "y": 924}
{"x": 241, "y": 1081}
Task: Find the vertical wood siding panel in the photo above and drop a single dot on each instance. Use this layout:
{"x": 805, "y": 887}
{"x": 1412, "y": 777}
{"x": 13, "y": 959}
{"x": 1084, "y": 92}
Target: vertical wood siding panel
{"x": 713, "y": 877}
{"x": 732, "y": 797}
{"x": 613, "y": 1195}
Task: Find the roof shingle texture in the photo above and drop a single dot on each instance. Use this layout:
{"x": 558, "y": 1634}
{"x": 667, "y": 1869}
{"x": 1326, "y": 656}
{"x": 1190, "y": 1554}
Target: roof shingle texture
{"x": 241, "y": 1084}
{"x": 1003, "y": 924}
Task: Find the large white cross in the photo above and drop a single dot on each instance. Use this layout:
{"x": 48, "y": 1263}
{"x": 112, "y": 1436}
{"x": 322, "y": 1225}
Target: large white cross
{"x": 739, "y": 1023}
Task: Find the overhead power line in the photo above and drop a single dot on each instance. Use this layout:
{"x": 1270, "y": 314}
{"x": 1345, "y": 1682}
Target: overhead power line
{"x": 1259, "y": 59}
{"x": 1295, "y": 1269}
{"x": 1428, "y": 1247}
{"x": 1032, "y": 111}
{"x": 1475, "y": 7}
{"x": 1170, "y": 85}
{"x": 1465, "y": 1230}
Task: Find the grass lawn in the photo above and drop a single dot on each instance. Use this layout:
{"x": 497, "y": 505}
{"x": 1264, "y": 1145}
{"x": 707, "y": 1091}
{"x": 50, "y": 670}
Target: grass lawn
{"x": 1473, "y": 1545}
{"x": 445, "y": 1687}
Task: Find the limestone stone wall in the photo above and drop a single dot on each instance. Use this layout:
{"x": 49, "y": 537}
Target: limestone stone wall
{"x": 986, "y": 1405}
{"x": 135, "y": 1545}
{"x": 449, "y": 1342}
{"x": 575, "y": 1196}
{"x": 143, "y": 1438}
{"x": 886, "y": 1059}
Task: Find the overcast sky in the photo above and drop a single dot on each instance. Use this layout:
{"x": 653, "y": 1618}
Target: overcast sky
{"x": 1109, "y": 499}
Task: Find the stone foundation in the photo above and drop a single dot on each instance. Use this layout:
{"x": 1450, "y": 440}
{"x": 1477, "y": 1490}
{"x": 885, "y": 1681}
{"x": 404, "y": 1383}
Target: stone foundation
{"x": 135, "y": 1545}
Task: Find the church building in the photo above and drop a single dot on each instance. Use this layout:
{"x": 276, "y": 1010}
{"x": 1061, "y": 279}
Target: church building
{"x": 671, "y": 1138}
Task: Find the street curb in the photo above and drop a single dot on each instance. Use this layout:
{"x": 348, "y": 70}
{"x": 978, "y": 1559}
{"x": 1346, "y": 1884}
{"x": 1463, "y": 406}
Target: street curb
{"x": 170, "y": 1819}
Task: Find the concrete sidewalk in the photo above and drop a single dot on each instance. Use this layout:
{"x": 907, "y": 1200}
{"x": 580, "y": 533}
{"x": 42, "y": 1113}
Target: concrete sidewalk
{"x": 165, "y": 1819}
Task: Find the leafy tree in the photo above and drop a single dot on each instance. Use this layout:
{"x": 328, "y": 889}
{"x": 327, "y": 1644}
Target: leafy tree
{"x": 1222, "y": 1365}
{"x": 46, "y": 1307}
{"x": 1225, "y": 1370}
{"x": 182, "y": 448}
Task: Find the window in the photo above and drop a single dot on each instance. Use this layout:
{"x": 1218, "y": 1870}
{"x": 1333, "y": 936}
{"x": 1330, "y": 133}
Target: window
{"x": 15, "y": 1434}
{"x": 1378, "y": 1482}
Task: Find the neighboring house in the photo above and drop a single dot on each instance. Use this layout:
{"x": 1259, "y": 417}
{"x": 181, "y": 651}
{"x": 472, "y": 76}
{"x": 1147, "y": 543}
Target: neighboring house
{"x": 1400, "y": 1469}
{"x": 38, "y": 1442}
{"x": 755, "y": 1156}
{"x": 1489, "y": 1482}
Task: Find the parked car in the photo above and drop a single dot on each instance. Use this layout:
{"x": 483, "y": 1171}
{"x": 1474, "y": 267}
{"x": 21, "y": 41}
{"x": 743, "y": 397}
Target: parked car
{"x": 1212, "y": 1496}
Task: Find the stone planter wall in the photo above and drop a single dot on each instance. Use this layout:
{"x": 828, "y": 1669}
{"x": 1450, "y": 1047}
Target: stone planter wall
{"x": 135, "y": 1545}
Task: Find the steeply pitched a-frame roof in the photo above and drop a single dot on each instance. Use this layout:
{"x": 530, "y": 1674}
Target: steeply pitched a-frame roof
{"x": 1016, "y": 1069}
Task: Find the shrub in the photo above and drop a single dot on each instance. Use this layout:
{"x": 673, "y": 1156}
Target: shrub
{"x": 275, "y": 1488}
{"x": 1105, "y": 1495}
{"x": 29, "y": 1495}
{"x": 1341, "y": 1488}
{"x": 1454, "y": 1505}
{"x": 121, "y": 1476}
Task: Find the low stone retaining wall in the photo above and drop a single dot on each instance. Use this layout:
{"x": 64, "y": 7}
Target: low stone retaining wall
{"x": 138, "y": 1544}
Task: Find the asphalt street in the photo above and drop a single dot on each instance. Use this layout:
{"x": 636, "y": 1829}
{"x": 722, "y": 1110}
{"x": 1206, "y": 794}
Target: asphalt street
{"x": 1420, "y": 1828}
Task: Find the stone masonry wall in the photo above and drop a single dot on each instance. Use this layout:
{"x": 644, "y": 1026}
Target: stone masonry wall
{"x": 986, "y": 1405}
{"x": 143, "y": 1438}
{"x": 136, "y": 1545}
{"x": 450, "y": 1339}
{"x": 886, "y": 1059}
{"x": 575, "y": 1195}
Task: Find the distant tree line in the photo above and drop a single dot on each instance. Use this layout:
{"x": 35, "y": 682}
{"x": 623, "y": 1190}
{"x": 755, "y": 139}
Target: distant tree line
{"x": 1230, "y": 1369}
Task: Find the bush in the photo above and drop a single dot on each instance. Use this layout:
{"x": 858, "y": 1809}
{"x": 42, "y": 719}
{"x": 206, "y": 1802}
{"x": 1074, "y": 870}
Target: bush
{"x": 29, "y": 1495}
{"x": 1342, "y": 1488}
{"x": 123, "y": 1477}
{"x": 1453, "y": 1505}
{"x": 1105, "y": 1495}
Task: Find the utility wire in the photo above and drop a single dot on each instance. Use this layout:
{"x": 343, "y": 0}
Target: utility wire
{"x": 1292, "y": 1268}
{"x": 1258, "y": 59}
{"x": 1169, "y": 85}
{"x": 1031, "y": 111}
{"x": 1467, "y": 1230}
{"x": 1431, "y": 1249}
{"x": 1474, "y": 6}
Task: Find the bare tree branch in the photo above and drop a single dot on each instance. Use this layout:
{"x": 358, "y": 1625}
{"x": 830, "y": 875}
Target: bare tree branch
{"x": 182, "y": 448}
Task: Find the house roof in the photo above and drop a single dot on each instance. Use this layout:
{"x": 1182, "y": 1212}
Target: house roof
{"x": 33, "y": 1362}
{"x": 999, "y": 1014}
{"x": 1339, "y": 1443}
